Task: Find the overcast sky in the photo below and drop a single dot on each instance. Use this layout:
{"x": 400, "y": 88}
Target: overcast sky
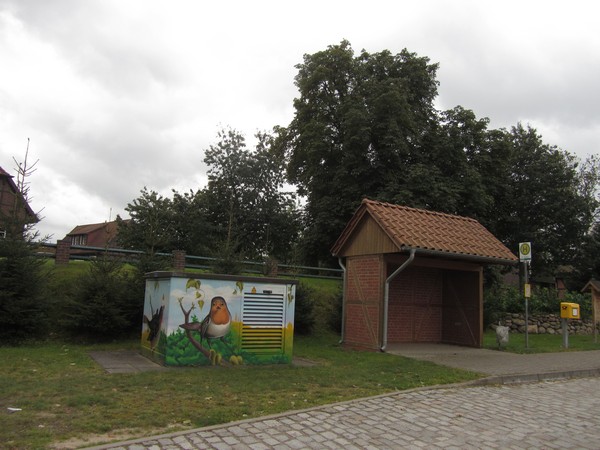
{"x": 116, "y": 95}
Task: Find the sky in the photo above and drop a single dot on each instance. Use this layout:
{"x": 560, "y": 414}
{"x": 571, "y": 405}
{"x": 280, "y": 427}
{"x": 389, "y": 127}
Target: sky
{"x": 118, "y": 95}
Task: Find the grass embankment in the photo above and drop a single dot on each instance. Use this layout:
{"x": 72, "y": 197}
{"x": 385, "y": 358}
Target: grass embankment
{"x": 63, "y": 394}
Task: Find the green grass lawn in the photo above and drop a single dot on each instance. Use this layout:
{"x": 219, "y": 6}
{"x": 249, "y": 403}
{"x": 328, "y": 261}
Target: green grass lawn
{"x": 542, "y": 343}
{"x": 63, "y": 394}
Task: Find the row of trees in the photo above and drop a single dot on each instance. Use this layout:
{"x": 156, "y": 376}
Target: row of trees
{"x": 365, "y": 126}
{"x": 242, "y": 212}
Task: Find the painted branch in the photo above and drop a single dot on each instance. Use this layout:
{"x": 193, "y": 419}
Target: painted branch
{"x": 188, "y": 333}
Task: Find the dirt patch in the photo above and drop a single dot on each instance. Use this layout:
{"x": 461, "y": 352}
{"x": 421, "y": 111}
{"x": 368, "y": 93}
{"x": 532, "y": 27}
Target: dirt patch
{"x": 113, "y": 436}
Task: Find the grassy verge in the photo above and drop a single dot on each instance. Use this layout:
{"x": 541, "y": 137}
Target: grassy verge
{"x": 542, "y": 343}
{"x": 63, "y": 394}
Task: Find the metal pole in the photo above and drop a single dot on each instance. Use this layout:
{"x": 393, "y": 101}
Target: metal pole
{"x": 386, "y": 295}
{"x": 565, "y": 333}
{"x": 526, "y": 279}
{"x": 594, "y": 314}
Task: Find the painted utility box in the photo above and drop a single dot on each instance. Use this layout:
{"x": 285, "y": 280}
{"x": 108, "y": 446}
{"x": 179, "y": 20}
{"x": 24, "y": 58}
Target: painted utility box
{"x": 208, "y": 319}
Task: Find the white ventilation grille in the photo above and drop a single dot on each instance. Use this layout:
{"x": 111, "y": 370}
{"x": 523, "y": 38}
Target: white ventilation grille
{"x": 263, "y": 318}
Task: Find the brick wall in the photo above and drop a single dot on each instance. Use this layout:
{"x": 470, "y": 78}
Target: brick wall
{"x": 415, "y": 306}
{"x": 63, "y": 251}
{"x": 178, "y": 260}
{"x": 364, "y": 294}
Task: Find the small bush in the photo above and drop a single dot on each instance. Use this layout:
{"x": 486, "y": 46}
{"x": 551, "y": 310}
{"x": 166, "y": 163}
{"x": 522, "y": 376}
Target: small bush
{"x": 227, "y": 260}
{"x": 334, "y": 321}
{"x": 499, "y": 301}
{"x": 584, "y": 301}
{"x": 106, "y": 303}
{"x": 304, "y": 319}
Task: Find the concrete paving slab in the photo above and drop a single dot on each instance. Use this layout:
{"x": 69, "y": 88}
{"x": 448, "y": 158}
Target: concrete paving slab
{"x": 499, "y": 363}
{"x": 124, "y": 361}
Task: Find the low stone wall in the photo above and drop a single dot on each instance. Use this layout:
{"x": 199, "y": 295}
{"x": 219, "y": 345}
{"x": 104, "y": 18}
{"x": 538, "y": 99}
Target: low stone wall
{"x": 545, "y": 324}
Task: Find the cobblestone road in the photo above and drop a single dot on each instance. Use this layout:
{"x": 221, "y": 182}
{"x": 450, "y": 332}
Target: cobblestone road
{"x": 547, "y": 415}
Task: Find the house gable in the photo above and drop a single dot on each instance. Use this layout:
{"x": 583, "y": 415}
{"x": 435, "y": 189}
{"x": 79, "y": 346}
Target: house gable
{"x": 368, "y": 238}
{"x": 11, "y": 198}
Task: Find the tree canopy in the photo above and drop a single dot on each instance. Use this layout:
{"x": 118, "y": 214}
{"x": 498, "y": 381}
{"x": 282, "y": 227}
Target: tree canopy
{"x": 359, "y": 123}
{"x": 365, "y": 126}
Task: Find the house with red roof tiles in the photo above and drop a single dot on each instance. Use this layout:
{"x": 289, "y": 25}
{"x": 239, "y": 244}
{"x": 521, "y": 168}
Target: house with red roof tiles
{"x": 414, "y": 276}
{"x": 14, "y": 208}
{"x": 102, "y": 235}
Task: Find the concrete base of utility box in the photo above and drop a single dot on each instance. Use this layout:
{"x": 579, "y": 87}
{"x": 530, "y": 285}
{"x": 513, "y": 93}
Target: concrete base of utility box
{"x": 208, "y": 319}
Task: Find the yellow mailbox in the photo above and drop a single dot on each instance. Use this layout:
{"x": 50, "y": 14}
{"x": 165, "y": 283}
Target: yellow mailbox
{"x": 570, "y": 311}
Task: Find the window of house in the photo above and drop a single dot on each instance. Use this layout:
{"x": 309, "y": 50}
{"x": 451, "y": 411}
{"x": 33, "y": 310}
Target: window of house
{"x": 79, "y": 239}
{"x": 3, "y": 234}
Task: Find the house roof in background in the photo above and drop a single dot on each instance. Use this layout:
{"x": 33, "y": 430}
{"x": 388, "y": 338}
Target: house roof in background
{"x": 15, "y": 189}
{"x": 91, "y": 227}
{"x": 430, "y": 231}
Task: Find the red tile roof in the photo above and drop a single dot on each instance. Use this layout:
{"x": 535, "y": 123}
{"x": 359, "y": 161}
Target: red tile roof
{"x": 431, "y": 232}
{"x": 88, "y": 228}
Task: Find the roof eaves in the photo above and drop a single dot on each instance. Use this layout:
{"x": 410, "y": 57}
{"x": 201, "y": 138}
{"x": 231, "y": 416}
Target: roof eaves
{"x": 464, "y": 256}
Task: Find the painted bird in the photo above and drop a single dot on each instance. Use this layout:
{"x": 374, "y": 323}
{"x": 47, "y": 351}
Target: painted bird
{"x": 154, "y": 324}
{"x": 216, "y": 324}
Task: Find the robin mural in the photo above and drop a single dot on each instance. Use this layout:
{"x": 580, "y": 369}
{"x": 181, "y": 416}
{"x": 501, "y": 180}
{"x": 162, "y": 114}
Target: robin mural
{"x": 216, "y": 324}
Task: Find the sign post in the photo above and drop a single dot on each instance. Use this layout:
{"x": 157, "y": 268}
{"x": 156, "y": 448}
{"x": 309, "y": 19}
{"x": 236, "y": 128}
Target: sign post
{"x": 525, "y": 259}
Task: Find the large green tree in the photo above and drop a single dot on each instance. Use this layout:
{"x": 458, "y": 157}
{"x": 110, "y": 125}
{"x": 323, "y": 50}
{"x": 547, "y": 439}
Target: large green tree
{"x": 245, "y": 200}
{"x": 359, "y": 123}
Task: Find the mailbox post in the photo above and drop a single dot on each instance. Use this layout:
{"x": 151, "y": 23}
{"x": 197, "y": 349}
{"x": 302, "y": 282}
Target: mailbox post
{"x": 568, "y": 311}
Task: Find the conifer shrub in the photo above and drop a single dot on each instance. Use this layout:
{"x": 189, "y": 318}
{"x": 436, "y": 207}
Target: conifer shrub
{"x": 107, "y": 302}
{"x": 23, "y": 309}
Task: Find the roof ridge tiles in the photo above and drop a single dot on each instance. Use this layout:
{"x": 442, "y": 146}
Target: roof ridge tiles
{"x": 409, "y": 227}
{"x": 418, "y": 210}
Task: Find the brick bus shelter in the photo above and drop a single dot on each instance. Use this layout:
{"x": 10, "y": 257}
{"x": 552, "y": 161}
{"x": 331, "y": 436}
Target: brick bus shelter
{"x": 414, "y": 276}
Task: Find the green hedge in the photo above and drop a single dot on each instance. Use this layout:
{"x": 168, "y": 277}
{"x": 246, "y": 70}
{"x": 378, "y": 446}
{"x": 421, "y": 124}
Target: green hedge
{"x": 501, "y": 300}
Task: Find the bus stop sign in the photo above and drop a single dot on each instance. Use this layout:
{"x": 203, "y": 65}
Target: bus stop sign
{"x": 525, "y": 251}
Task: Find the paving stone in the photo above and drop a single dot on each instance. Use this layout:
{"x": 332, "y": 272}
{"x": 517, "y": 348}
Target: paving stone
{"x": 557, "y": 414}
